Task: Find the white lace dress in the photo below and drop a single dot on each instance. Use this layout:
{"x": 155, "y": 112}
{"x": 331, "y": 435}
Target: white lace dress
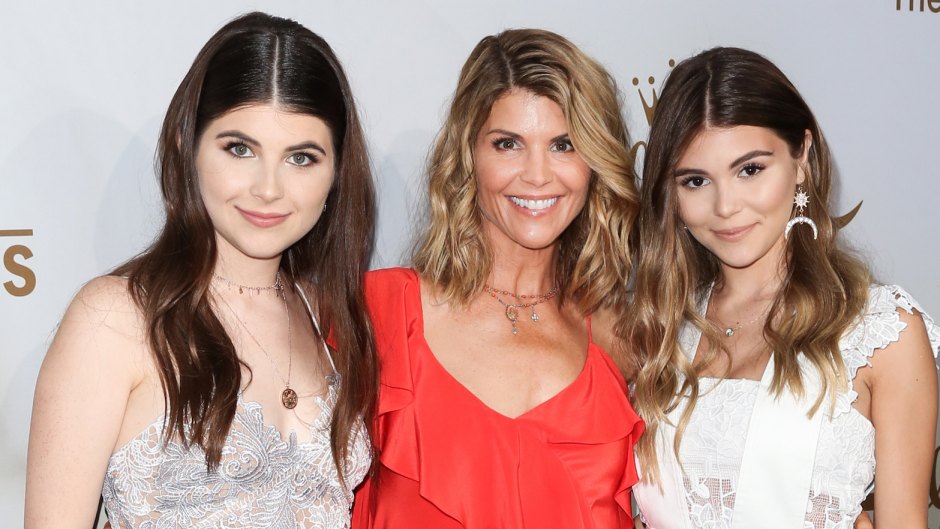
{"x": 843, "y": 472}
{"x": 263, "y": 480}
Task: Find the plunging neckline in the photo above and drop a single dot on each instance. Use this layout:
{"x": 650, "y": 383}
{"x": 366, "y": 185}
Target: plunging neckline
{"x": 448, "y": 376}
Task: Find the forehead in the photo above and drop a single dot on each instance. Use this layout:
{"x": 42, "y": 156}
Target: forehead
{"x": 525, "y": 109}
{"x": 273, "y": 123}
{"x": 715, "y": 144}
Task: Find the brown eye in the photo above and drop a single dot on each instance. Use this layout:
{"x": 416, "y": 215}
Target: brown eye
{"x": 751, "y": 169}
{"x": 505, "y": 144}
{"x": 563, "y": 146}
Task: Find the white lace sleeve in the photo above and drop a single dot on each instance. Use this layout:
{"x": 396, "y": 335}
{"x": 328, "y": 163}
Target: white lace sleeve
{"x": 879, "y": 326}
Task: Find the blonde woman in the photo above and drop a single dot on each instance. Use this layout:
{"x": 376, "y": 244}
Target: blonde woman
{"x": 775, "y": 375}
{"x": 499, "y": 406}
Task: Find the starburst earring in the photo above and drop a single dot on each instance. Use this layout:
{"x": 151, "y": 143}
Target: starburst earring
{"x": 801, "y": 199}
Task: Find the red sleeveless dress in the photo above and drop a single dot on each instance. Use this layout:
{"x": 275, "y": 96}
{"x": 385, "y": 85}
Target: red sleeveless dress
{"x": 446, "y": 460}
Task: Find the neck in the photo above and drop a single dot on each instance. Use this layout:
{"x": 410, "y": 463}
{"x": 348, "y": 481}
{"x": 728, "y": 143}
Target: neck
{"x": 240, "y": 269}
{"x": 759, "y": 281}
{"x": 523, "y": 270}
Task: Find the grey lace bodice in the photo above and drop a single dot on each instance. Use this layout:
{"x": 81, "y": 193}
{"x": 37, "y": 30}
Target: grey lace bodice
{"x": 263, "y": 480}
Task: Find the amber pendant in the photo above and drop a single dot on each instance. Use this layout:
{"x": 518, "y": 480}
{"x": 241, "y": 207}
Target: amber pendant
{"x": 289, "y": 398}
{"x": 512, "y": 313}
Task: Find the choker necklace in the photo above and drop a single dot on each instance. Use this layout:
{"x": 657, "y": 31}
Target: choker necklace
{"x": 512, "y": 309}
{"x": 231, "y": 285}
{"x": 288, "y": 395}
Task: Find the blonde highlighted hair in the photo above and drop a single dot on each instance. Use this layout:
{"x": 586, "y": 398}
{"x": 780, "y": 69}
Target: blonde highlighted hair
{"x": 592, "y": 263}
{"x": 824, "y": 288}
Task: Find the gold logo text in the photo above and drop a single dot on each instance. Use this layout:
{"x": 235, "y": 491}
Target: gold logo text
{"x": 26, "y": 276}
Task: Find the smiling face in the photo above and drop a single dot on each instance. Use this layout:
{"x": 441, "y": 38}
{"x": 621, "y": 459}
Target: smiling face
{"x": 264, "y": 175}
{"x": 531, "y": 184}
{"x": 735, "y": 190}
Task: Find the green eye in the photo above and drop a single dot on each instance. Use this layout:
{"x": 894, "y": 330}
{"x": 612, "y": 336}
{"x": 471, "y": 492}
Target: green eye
{"x": 239, "y": 150}
{"x": 301, "y": 159}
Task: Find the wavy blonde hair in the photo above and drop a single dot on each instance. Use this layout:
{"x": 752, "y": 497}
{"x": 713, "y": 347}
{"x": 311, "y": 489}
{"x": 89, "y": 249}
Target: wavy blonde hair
{"x": 592, "y": 262}
{"x": 824, "y": 288}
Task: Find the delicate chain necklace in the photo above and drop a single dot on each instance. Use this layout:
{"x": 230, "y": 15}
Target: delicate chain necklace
{"x": 731, "y": 329}
{"x": 512, "y": 309}
{"x": 231, "y": 285}
{"x": 288, "y": 395}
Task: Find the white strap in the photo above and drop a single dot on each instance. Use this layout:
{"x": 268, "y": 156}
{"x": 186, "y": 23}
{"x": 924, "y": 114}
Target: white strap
{"x": 664, "y": 505}
{"x": 313, "y": 318}
{"x": 779, "y": 455}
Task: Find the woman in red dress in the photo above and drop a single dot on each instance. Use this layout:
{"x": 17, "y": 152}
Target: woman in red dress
{"x": 499, "y": 403}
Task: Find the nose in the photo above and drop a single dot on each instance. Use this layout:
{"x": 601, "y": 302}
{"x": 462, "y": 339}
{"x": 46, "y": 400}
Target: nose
{"x": 268, "y": 184}
{"x": 537, "y": 169}
{"x": 727, "y": 200}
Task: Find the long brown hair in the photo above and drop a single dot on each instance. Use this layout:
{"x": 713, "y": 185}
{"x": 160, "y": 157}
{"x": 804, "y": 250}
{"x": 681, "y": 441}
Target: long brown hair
{"x": 824, "y": 289}
{"x": 592, "y": 262}
{"x": 256, "y": 58}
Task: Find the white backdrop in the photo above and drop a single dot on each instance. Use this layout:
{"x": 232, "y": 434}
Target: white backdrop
{"x": 84, "y": 87}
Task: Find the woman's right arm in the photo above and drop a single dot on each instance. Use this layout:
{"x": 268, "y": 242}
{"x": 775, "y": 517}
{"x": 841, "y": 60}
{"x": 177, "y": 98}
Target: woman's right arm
{"x": 78, "y": 408}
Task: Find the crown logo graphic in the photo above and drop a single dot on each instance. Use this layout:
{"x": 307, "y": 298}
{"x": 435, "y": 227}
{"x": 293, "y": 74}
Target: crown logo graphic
{"x": 649, "y": 106}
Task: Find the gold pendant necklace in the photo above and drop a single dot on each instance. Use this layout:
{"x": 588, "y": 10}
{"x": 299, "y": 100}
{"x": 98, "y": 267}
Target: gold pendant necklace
{"x": 512, "y": 309}
{"x": 288, "y": 395}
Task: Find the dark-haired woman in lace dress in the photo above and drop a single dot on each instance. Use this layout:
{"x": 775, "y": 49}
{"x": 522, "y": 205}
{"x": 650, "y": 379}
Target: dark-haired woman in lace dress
{"x": 192, "y": 386}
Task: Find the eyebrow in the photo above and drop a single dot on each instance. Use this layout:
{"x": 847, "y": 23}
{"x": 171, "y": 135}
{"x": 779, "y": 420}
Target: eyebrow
{"x": 738, "y": 161}
{"x": 251, "y": 141}
{"x": 565, "y": 136}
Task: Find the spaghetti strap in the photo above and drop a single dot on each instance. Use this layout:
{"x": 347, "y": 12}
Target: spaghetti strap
{"x": 316, "y": 325}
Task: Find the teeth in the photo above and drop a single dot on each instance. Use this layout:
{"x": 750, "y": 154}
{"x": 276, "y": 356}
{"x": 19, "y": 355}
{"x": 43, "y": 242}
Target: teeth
{"x": 534, "y": 204}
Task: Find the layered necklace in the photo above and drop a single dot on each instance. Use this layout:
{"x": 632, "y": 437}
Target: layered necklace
{"x": 523, "y": 301}
{"x": 288, "y": 395}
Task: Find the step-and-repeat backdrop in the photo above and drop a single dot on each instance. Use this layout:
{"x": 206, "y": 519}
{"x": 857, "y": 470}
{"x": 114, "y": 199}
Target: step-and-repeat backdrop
{"x": 84, "y": 87}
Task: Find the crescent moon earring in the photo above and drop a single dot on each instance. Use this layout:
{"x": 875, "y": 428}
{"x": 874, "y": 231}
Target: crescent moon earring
{"x": 801, "y": 199}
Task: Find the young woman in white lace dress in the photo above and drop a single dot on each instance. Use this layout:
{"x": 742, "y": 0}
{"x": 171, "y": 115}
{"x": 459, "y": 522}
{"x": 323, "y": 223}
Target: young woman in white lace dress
{"x": 776, "y": 377}
{"x": 192, "y": 387}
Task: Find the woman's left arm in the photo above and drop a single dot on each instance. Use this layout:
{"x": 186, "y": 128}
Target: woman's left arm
{"x": 904, "y": 413}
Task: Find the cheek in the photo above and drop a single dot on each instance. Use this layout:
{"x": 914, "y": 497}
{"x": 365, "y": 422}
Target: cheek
{"x": 776, "y": 199}
{"x": 693, "y": 206}
{"x": 491, "y": 175}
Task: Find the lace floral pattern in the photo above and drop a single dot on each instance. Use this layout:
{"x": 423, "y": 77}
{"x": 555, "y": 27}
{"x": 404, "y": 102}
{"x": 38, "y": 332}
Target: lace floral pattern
{"x": 843, "y": 473}
{"x": 262, "y": 481}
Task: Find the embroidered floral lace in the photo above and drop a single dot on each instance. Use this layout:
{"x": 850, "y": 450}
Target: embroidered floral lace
{"x": 713, "y": 443}
{"x": 262, "y": 481}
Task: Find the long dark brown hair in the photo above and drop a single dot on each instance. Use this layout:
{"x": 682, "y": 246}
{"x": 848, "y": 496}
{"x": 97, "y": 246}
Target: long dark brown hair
{"x": 824, "y": 289}
{"x": 256, "y": 58}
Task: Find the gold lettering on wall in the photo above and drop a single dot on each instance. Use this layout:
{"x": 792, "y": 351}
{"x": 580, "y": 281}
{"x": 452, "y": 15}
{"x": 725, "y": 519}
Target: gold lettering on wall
{"x": 649, "y": 109}
{"x": 26, "y": 282}
{"x": 918, "y": 5}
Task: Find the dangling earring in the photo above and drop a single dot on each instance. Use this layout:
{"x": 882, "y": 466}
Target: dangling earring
{"x": 801, "y": 199}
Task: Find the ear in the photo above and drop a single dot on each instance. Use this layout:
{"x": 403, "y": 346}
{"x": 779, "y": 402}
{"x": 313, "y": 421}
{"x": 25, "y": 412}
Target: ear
{"x": 804, "y": 156}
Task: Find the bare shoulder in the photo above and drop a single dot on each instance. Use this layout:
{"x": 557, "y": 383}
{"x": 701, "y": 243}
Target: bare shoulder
{"x": 102, "y": 327}
{"x": 604, "y": 325}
